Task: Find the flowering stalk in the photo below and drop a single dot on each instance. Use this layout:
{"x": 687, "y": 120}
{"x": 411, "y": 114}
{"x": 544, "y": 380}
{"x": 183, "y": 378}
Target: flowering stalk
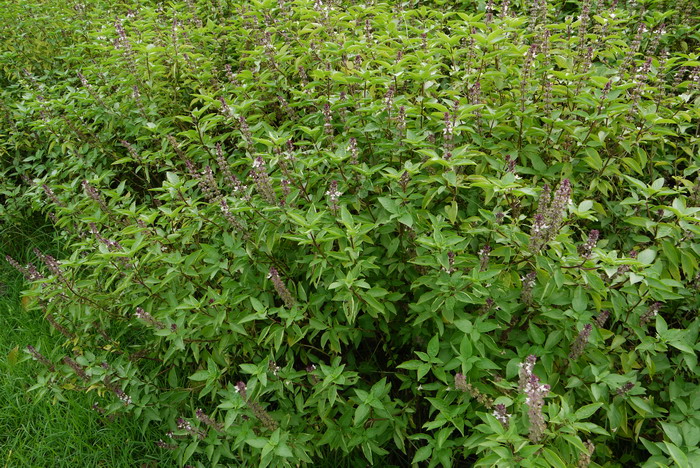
{"x": 534, "y": 392}
{"x": 460, "y": 382}
{"x": 208, "y": 421}
{"x": 245, "y": 130}
{"x": 116, "y": 389}
{"x": 602, "y": 318}
{"x": 29, "y": 272}
{"x": 404, "y": 180}
{"x": 61, "y": 329}
{"x": 448, "y": 132}
{"x": 281, "y": 289}
{"x": 93, "y": 193}
{"x": 389, "y": 100}
{"x": 462, "y": 385}
{"x": 234, "y": 183}
{"x": 528, "y": 282}
{"x": 550, "y": 215}
{"x": 132, "y": 152}
{"x": 622, "y": 269}
{"x": 186, "y": 426}
{"x": 148, "y": 318}
{"x": 501, "y": 414}
{"x": 52, "y": 264}
{"x": 259, "y": 412}
{"x": 580, "y": 343}
{"x": 90, "y": 90}
{"x": 40, "y": 357}
{"x": 649, "y": 314}
{"x": 77, "y": 368}
{"x": 328, "y": 119}
{"x": 352, "y": 148}
{"x": 525, "y": 74}
{"x": 165, "y": 445}
{"x": 122, "y": 42}
{"x": 484, "y": 258}
{"x": 226, "y": 211}
{"x": 333, "y": 195}
{"x": 401, "y": 123}
{"x": 584, "y": 459}
{"x": 262, "y": 180}
{"x": 586, "y": 249}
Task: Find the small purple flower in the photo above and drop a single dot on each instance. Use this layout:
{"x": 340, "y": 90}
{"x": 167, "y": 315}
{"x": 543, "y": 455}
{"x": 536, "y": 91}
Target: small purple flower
{"x": 333, "y": 196}
{"x": 484, "y": 257}
{"x": 500, "y": 413}
{"x": 625, "y": 388}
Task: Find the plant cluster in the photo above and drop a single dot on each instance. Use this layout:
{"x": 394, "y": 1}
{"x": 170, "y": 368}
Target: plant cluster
{"x": 393, "y": 232}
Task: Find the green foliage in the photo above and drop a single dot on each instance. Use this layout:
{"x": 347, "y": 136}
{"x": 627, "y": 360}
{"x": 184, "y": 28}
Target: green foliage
{"x": 68, "y": 430}
{"x": 303, "y": 231}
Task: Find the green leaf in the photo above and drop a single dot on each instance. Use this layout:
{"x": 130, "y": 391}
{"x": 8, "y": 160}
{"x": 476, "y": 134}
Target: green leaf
{"x": 536, "y": 334}
{"x": 406, "y": 219}
{"x": 361, "y": 414}
{"x": 673, "y": 433}
{"x": 390, "y": 205}
{"x": 410, "y": 365}
{"x": 12, "y": 356}
{"x": 553, "y": 459}
{"x": 200, "y": 375}
{"x": 422, "y": 454}
{"x": 587, "y": 410}
{"x": 283, "y": 451}
{"x": 189, "y": 451}
{"x": 433, "y": 346}
{"x": 677, "y": 454}
{"x": 257, "y": 442}
{"x": 580, "y": 300}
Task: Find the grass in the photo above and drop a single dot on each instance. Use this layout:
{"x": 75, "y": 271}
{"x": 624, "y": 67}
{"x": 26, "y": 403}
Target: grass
{"x": 39, "y": 431}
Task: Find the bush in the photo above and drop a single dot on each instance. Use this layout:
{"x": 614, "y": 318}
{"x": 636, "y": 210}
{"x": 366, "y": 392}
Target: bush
{"x": 391, "y": 232}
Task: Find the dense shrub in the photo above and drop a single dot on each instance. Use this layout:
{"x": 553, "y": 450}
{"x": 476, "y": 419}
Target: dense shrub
{"x": 458, "y": 233}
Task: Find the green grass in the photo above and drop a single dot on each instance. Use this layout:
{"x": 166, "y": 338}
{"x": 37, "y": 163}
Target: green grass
{"x": 39, "y": 432}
